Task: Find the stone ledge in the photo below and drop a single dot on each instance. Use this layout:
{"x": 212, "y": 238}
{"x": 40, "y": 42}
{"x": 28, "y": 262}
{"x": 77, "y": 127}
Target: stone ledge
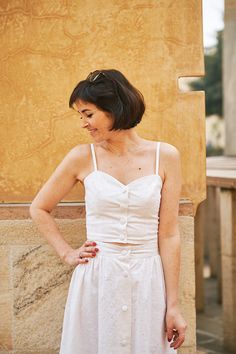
{"x": 30, "y": 352}
{"x": 20, "y": 211}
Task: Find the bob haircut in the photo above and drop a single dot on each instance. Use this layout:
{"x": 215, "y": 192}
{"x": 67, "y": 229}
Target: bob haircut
{"x": 111, "y": 92}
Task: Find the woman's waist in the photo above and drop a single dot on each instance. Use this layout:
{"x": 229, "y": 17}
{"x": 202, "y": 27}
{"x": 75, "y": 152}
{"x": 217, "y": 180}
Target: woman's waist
{"x": 136, "y": 250}
{"x": 124, "y": 238}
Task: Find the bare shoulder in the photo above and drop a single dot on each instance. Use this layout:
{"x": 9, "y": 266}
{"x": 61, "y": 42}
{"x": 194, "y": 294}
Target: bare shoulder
{"x": 166, "y": 149}
{"x": 79, "y": 152}
{"x": 170, "y": 162}
{"x": 79, "y": 158}
{"x": 169, "y": 153}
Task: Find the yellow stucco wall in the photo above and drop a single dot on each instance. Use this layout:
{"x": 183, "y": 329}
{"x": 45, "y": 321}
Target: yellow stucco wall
{"x": 48, "y": 46}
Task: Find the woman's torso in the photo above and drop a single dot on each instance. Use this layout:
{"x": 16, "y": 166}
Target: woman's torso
{"x": 139, "y": 169}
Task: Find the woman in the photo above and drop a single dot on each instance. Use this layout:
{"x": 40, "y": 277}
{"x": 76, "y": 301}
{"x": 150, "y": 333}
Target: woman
{"x": 123, "y": 292}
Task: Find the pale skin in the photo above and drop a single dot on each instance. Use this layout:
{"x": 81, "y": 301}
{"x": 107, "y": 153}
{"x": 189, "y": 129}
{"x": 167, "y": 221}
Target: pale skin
{"x": 115, "y": 150}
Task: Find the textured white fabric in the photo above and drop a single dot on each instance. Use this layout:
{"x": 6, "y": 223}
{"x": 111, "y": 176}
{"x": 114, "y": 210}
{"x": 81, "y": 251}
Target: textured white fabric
{"x": 117, "y": 301}
{"x": 122, "y": 213}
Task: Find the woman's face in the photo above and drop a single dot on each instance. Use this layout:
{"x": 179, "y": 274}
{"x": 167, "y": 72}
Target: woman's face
{"x": 94, "y": 120}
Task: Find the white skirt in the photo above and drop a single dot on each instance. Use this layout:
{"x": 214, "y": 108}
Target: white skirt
{"x": 116, "y": 303}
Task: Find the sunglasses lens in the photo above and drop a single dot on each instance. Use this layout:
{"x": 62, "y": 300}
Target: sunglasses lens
{"x": 94, "y": 75}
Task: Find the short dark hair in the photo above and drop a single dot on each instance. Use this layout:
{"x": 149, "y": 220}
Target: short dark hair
{"x": 111, "y": 92}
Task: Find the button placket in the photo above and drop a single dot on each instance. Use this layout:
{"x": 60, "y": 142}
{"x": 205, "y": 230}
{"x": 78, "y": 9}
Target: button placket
{"x": 125, "y": 295}
{"x": 124, "y": 213}
{"x": 126, "y": 315}
{"x": 124, "y": 308}
{"x": 123, "y": 300}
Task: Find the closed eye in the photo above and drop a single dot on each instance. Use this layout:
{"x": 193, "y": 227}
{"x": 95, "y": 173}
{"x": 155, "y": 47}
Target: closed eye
{"x": 87, "y": 116}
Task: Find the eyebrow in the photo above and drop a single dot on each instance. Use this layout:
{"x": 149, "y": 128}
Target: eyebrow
{"x": 85, "y": 110}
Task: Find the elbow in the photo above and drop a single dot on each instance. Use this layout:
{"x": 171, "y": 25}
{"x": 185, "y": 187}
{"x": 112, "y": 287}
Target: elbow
{"x": 32, "y": 210}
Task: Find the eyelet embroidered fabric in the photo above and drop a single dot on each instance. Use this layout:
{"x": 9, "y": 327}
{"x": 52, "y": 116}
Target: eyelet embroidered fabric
{"x": 116, "y": 302}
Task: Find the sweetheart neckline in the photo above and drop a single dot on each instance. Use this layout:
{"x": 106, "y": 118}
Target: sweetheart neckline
{"x": 119, "y": 182}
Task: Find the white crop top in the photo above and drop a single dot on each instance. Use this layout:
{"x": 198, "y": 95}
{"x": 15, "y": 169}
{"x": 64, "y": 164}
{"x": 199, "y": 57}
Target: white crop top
{"x": 116, "y": 212}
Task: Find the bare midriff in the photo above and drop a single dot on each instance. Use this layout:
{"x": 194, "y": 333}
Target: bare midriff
{"x": 122, "y": 244}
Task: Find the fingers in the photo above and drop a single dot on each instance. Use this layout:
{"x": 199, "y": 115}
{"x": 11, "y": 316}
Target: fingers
{"x": 89, "y": 246}
{"x": 81, "y": 260}
{"x": 169, "y": 334}
{"x": 84, "y": 254}
{"x": 90, "y": 243}
{"x": 178, "y": 338}
{"x": 88, "y": 250}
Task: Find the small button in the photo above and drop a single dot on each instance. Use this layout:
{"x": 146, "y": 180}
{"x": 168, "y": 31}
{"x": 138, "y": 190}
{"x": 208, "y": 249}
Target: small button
{"x": 124, "y": 342}
{"x": 124, "y": 308}
{"x": 124, "y": 252}
{"x": 126, "y": 274}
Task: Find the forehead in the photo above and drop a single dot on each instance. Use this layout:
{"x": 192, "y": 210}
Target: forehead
{"x": 80, "y": 106}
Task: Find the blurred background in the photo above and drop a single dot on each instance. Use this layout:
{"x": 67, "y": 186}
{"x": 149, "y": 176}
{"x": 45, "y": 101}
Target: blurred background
{"x": 211, "y": 83}
{"x": 215, "y": 230}
{"x": 213, "y": 26}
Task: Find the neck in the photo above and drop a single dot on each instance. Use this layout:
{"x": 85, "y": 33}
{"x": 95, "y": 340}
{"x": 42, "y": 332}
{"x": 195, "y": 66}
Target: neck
{"x": 123, "y": 141}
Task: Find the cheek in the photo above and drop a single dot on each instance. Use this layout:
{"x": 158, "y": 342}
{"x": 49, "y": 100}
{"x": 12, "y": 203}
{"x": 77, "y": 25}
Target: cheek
{"x": 110, "y": 123}
{"x": 105, "y": 125}
{"x": 108, "y": 120}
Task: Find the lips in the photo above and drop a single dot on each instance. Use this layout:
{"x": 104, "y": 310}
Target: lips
{"x": 92, "y": 130}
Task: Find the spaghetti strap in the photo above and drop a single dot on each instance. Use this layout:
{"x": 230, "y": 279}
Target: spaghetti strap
{"x": 94, "y": 157}
{"x": 157, "y": 156}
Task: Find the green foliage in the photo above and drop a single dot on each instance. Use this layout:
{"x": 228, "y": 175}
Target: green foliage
{"x": 211, "y": 83}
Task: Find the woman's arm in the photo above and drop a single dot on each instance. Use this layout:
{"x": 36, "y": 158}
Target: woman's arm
{"x": 57, "y": 186}
{"x": 168, "y": 232}
{"x": 169, "y": 238}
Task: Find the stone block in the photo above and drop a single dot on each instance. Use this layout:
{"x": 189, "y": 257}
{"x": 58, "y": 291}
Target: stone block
{"x": 25, "y": 232}
{"x": 187, "y": 280}
{"x": 40, "y": 283}
{"x": 6, "y": 299}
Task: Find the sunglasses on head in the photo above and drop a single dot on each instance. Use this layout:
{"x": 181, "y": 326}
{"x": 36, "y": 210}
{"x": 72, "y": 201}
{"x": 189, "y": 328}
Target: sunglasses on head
{"x": 94, "y": 75}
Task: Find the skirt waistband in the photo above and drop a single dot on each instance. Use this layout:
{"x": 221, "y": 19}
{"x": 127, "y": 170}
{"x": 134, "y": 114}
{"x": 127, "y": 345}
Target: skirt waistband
{"x": 136, "y": 250}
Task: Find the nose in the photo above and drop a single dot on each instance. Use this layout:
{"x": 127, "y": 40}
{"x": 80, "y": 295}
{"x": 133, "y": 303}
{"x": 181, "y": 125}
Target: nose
{"x": 84, "y": 123}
